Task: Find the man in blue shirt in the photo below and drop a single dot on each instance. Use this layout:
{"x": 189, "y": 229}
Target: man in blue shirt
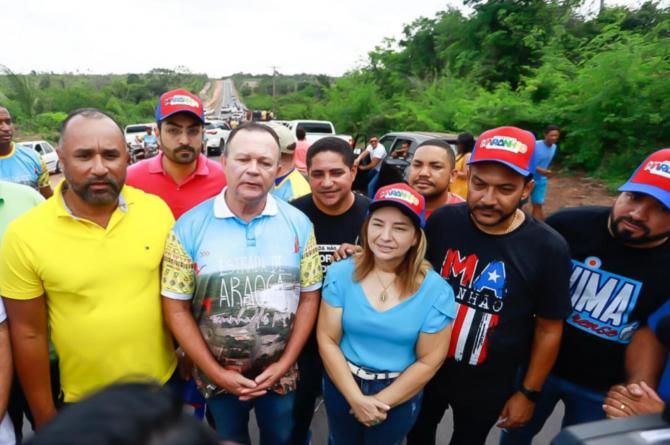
{"x": 241, "y": 288}
{"x": 19, "y": 164}
{"x": 543, "y": 155}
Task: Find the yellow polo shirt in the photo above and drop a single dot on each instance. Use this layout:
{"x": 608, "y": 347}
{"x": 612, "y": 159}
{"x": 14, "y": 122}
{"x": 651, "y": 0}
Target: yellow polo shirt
{"x": 102, "y": 288}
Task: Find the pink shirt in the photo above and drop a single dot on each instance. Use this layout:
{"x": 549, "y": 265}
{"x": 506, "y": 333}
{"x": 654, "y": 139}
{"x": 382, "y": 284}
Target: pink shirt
{"x": 206, "y": 181}
{"x": 300, "y": 156}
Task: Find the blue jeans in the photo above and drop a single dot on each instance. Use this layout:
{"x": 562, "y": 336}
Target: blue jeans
{"x": 581, "y": 405}
{"x": 344, "y": 429}
{"x": 273, "y": 415}
{"x": 373, "y": 177}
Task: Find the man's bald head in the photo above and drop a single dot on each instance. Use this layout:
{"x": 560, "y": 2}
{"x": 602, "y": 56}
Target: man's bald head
{"x": 86, "y": 113}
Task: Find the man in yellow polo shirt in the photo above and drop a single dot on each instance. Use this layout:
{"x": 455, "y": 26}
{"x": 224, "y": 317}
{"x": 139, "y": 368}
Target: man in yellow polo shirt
{"x": 90, "y": 259}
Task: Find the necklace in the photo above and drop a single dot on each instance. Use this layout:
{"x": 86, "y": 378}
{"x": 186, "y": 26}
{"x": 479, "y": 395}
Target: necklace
{"x": 382, "y": 295}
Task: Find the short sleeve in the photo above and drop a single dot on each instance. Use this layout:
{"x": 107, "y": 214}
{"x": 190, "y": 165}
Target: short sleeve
{"x": 552, "y": 299}
{"x": 3, "y": 313}
{"x": 378, "y": 152}
{"x": 656, "y": 317}
{"x": 178, "y": 277}
{"x": 442, "y": 311}
{"x": 19, "y": 278}
{"x": 331, "y": 291}
{"x": 310, "y": 266}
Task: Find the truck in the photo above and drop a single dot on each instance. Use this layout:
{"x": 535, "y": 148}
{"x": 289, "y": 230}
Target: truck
{"x": 315, "y": 130}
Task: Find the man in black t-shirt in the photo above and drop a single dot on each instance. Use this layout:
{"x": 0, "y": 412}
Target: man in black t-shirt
{"x": 337, "y": 214}
{"x": 620, "y": 256}
{"x": 510, "y": 274}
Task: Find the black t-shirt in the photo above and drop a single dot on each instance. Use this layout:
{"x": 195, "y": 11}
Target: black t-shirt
{"x": 331, "y": 231}
{"x": 500, "y": 283}
{"x": 614, "y": 289}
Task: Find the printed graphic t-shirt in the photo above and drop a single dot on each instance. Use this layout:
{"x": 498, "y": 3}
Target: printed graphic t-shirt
{"x": 500, "y": 282}
{"x": 244, "y": 280}
{"x": 613, "y": 289}
{"x": 331, "y": 231}
{"x": 24, "y": 166}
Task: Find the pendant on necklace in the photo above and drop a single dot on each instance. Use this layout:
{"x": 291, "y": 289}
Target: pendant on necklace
{"x": 382, "y": 296}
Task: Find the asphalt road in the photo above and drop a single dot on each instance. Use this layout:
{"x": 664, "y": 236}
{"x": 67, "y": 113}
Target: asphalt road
{"x": 320, "y": 427}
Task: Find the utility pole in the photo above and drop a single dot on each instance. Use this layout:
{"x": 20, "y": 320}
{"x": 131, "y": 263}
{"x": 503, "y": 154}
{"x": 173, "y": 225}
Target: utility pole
{"x": 274, "y": 87}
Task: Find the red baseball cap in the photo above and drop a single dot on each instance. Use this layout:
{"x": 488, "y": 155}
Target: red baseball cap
{"x": 178, "y": 101}
{"x": 404, "y": 198}
{"x": 652, "y": 177}
{"x": 510, "y": 146}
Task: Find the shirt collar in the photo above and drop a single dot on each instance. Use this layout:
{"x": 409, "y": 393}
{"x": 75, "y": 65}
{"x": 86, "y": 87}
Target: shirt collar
{"x": 64, "y": 210}
{"x": 12, "y": 149}
{"x": 221, "y": 209}
{"x": 156, "y": 165}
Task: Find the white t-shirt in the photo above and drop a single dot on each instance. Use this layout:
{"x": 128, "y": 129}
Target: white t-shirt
{"x": 377, "y": 153}
{"x": 6, "y": 428}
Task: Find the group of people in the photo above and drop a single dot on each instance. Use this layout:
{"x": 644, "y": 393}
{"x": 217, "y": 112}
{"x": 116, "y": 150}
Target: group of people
{"x": 277, "y": 284}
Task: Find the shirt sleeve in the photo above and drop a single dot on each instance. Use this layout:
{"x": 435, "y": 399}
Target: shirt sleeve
{"x": 43, "y": 175}
{"x": 178, "y": 277}
{"x": 331, "y": 292}
{"x": 310, "y": 266}
{"x": 3, "y": 313}
{"x": 656, "y": 317}
{"x": 379, "y": 152}
{"x": 553, "y": 291}
{"x": 19, "y": 278}
{"x": 443, "y": 310}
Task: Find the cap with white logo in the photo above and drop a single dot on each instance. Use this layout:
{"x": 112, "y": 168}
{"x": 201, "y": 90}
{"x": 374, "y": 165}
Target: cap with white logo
{"x": 510, "y": 146}
{"x": 178, "y": 101}
{"x": 652, "y": 177}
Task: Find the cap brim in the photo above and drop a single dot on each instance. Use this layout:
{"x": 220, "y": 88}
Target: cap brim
{"x": 651, "y": 190}
{"x": 519, "y": 170}
{"x": 403, "y": 208}
{"x": 197, "y": 116}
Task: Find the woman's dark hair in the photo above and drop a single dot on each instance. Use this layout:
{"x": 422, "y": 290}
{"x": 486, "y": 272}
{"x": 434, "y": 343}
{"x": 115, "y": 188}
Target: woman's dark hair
{"x": 126, "y": 414}
{"x": 465, "y": 143}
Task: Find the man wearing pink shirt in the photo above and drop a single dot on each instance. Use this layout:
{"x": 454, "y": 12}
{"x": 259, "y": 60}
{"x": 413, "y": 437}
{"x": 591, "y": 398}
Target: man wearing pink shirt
{"x": 300, "y": 154}
{"x": 180, "y": 175}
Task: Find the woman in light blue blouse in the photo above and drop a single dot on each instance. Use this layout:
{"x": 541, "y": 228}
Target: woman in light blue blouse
{"x": 384, "y": 325}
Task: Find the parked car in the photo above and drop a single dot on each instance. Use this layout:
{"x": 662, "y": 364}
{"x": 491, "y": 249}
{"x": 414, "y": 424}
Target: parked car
{"x": 393, "y": 141}
{"x": 46, "y": 151}
{"x": 315, "y": 130}
{"x": 216, "y": 135}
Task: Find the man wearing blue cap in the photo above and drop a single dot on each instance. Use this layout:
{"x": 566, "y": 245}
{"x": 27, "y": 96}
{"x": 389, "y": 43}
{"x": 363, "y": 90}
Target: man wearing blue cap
{"x": 620, "y": 258}
{"x": 510, "y": 274}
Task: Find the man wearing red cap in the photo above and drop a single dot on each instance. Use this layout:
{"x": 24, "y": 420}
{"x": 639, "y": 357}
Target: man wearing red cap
{"x": 620, "y": 258}
{"x": 510, "y": 274}
{"x": 181, "y": 175}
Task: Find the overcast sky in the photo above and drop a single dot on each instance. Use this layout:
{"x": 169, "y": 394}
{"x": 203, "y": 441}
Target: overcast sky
{"x": 218, "y": 37}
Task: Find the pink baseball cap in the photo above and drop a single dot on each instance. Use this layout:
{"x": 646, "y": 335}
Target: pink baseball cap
{"x": 510, "y": 146}
{"x": 652, "y": 177}
{"x": 404, "y": 198}
{"x": 178, "y": 101}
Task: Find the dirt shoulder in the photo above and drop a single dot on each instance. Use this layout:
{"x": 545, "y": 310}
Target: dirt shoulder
{"x": 574, "y": 191}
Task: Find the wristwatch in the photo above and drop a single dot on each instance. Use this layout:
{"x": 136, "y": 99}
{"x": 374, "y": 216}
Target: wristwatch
{"x": 530, "y": 394}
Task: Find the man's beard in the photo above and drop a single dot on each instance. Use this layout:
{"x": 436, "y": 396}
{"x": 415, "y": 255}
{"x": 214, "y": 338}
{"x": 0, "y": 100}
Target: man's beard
{"x": 96, "y": 198}
{"x": 180, "y": 160}
{"x": 626, "y": 237}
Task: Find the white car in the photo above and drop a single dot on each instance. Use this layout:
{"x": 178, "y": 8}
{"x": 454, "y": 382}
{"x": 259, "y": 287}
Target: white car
{"x": 216, "y": 135}
{"x": 46, "y": 151}
{"x": 132, "y": 132}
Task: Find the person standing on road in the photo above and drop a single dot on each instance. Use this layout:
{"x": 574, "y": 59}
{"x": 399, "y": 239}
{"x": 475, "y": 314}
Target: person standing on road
{"x": 15, "y": 199}
{"x": 430, "y": 174}
{"x": 510, "y": 274}
{"x": 301, "y": 147}
{"x": 337, "y": 214}
{"x": 290, "y": 184}
{"x": 620, "y": 256}
{"x": 384, "y": 325}
{"x": 20, "y": 164}
{"x": 241, "y": 289}
{"x": 464, "y": 146}
{"x": 180, "y": 175}
{"x": 545, "y": 150}
{"x": 87, "y": 262}
{"x": 377, "y": 153}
